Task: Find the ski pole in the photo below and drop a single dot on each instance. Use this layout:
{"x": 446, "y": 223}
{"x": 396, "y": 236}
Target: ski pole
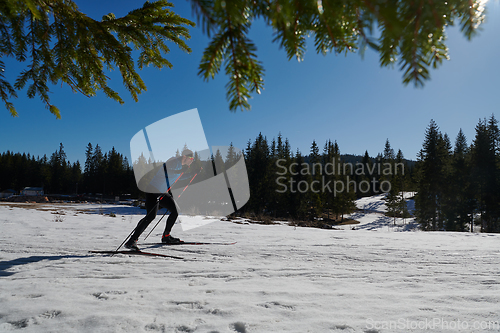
{"x": 158, "y": 203}
{"x": 155, "y": 225}
{"x": 147, "y": 213}
{"x": 124, "y": 241}
{"x": 177, "y": 198}
{"x": 189, "y": 183}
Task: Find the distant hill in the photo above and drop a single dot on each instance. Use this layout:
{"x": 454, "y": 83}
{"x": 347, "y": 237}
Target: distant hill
{"x": 353, "y": 159}
{"x": 349, "y": 158}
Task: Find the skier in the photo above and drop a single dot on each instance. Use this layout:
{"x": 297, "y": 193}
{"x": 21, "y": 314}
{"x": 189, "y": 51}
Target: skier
{"x": 158, "y": 194}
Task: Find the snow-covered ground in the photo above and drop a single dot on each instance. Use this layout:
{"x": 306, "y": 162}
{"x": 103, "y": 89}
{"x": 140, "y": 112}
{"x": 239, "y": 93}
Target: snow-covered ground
{"x": 371, "y": 215}
{"x": 276, "y": 278}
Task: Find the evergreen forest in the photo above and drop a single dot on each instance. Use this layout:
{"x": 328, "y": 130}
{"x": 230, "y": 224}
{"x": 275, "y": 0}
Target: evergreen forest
{"x": 456, "y": 184}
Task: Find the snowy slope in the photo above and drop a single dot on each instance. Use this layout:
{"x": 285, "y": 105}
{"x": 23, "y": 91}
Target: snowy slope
{"x": 275, "y": 279}
{"x": 371, "y": 215}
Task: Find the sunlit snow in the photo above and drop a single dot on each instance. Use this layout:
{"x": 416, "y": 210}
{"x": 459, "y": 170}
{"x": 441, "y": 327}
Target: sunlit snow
{"x": 379, "y": 277}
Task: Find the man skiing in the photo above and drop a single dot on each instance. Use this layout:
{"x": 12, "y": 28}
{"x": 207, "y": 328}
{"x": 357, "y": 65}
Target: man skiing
{"x": 158, "y": 184}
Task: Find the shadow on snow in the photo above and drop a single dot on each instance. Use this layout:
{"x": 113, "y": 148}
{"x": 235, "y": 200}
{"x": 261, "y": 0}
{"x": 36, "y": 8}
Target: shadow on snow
{"x": 5, "y": 265}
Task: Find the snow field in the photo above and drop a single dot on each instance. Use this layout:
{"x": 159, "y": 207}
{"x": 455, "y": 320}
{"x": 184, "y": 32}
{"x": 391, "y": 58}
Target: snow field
{"x": 275, "y": 279}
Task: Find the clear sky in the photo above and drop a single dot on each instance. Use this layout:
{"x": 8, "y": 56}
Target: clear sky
{"x": 348, "y": 99}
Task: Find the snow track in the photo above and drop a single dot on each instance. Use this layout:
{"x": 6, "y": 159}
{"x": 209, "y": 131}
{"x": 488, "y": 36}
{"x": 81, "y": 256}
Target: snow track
{"x": 275, "y": 279}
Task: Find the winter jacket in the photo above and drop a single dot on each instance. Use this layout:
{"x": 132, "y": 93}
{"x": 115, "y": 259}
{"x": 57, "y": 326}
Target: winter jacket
{"x": 171, "y": 174}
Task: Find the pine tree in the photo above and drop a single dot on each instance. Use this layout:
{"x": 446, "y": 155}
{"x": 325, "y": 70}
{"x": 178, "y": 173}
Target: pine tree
{"x": 232, "y": 157}
{"x": 388, "y": 152}
{"x": 366, "y": 164}
{"x": 485, "y": 173}
{"x": 395, "y": 199}
{"x": 258, "y": 162}
{"x": 314, "y": 194}
{"x": 388, "y": 164}
{"x": 432, "y": 161}
{"x": 393, "y": 204}
{"x": 219, "y": 162}
{"x": 114, "y": 172}
{"x": 400, "y": 180}
{"x": 89, "y": 169}
{"x": 299, "y": 204}
{"x": 59, "y": 170}
{"x": 445, "y": 207}
{"x": 461, "y": 197}
{"x": 99, "y": 177}
{"x": 331, "y": 156}
{"x": 281, "y": 177}
{"x": 219, "y": 169}
{"x": 45, "y": 172}
{"x": 76, "y": 177}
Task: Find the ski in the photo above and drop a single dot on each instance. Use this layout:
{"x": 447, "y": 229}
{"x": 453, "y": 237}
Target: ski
{"x": 189, "y": 243}
{"x": 142, "y": 253}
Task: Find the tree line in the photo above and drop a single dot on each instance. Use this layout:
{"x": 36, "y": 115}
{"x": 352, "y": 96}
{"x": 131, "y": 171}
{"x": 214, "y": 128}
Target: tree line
{"x": 458, "y": 186}
{"x": 103, "y": 173}
{"x": 323, "y": 184}
{"x": 283, "y": 183}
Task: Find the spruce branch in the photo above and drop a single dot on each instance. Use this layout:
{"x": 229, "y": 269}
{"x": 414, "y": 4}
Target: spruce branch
{"x": 61, "y": 44}
{"x": 213, "y": 56}
{"x": 203, "y": 9}
{"x": 71, "y": 48}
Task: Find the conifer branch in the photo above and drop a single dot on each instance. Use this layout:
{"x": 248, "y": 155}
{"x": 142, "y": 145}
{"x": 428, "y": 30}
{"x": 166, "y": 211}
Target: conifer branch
{"x": 61, "y": 44}
{"x": 82, "y": 46}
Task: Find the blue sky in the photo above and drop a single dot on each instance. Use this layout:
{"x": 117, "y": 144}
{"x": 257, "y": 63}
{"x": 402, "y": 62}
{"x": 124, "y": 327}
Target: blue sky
{"x": 348, "y": 99}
